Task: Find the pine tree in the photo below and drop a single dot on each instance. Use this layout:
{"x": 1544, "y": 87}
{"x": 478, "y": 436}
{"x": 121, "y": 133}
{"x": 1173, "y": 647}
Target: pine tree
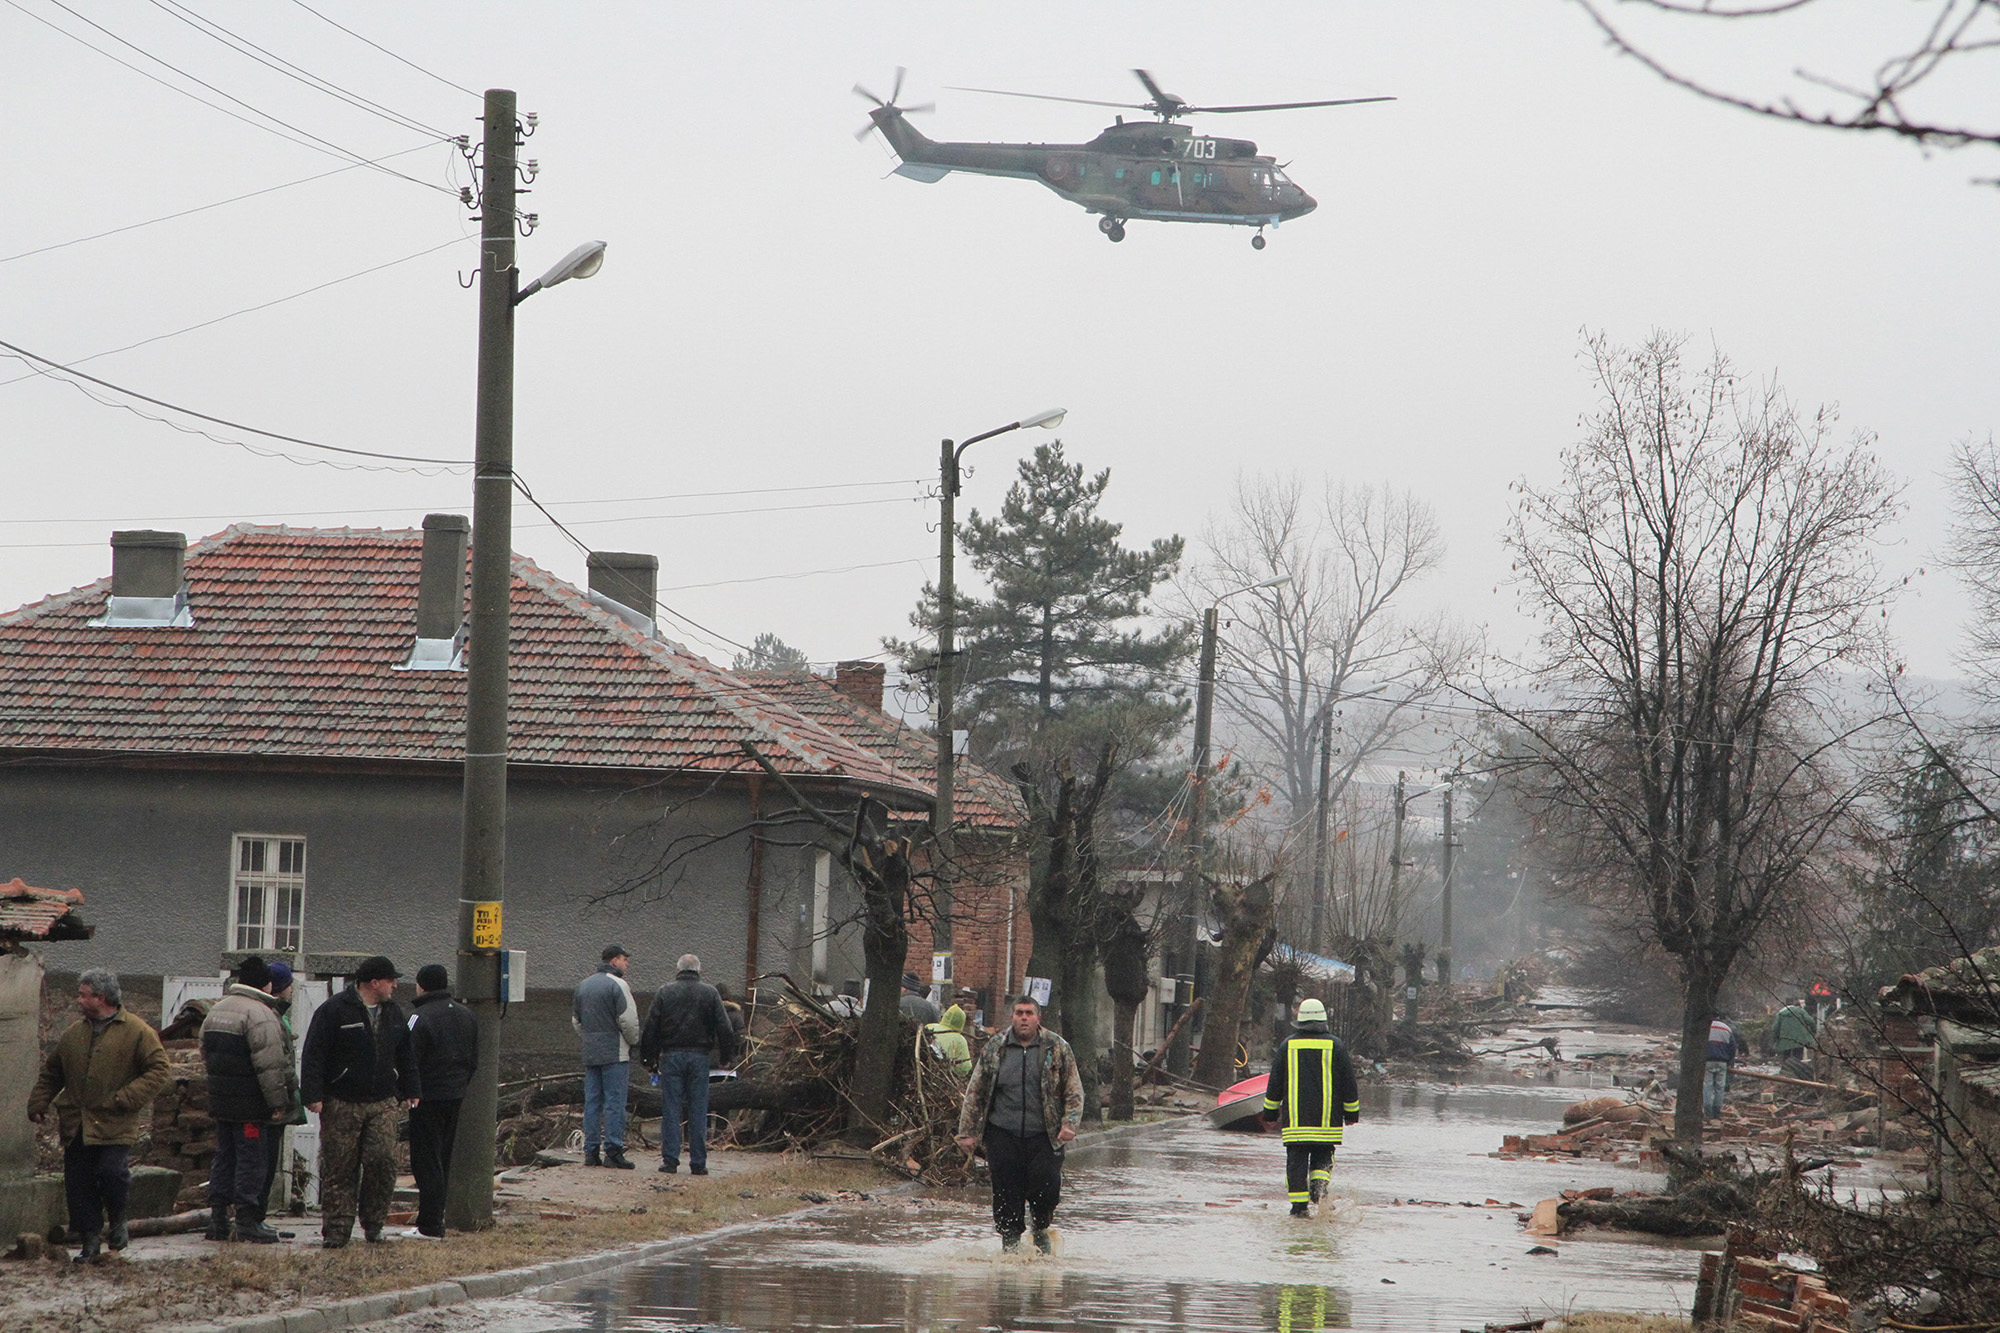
{"x": 768, "y": 652}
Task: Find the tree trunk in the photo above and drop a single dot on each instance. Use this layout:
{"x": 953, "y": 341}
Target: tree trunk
{"x": 1125, "y": 1030}
{"x": 885, "y": 943}
{"x": 1697, "y": 1012}
{"x": 1245, "y": 913}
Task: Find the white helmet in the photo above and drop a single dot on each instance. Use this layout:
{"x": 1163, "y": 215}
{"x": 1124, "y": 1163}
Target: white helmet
{"x": 1311, "y": 1011}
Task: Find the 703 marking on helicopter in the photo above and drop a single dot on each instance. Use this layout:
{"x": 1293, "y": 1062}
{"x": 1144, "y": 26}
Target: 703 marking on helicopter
{"x": 1158, "y": 170}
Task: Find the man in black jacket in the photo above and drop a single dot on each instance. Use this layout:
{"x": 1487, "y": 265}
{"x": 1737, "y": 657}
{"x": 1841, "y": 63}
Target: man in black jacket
{"x": 444, "y": 1035}
{"x": 358, "y": 1065}
{"x": 686, "y": 1021}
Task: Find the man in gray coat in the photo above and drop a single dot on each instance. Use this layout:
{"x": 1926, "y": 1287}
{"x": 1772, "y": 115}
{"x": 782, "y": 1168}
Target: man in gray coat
{"x": 604, "y": 1014}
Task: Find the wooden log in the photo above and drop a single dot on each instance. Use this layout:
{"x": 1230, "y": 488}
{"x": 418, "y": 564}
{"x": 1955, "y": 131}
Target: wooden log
{"x": 1789, "y": 1082}
{"x": 1663, "y": 1215}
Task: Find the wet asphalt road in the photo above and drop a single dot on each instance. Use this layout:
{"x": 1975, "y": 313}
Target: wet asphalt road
{"x": 1181, "y": 1228}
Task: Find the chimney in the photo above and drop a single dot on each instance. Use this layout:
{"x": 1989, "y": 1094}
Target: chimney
{"x": 441, "y": 595}
{"x": 861, "y": 681}
{"x": 627, "y": 579}
{"x": 148, "y": 580}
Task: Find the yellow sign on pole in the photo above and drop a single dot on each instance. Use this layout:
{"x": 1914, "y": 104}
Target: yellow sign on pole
{"x": 486, "y": 925}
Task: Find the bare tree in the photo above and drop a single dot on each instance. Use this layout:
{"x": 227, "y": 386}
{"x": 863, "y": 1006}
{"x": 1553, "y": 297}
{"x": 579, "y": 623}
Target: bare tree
{"x": 1297, "y": 652}
{"x": 1974, "y": 551}
{"x": 1938, "y": 60}
{"x": 1701, "y": 566}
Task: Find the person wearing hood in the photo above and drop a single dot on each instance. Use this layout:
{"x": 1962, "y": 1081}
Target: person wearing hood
{"x": 685, "y": 1023}
{"x": 1312, "y": 1093}
{"x": 282, "y": 983}
{"x": 917, "y": 1002}
{"x": 444, "y": 1035}
{"x": 251, "y": 1087}
{"x": 948, "y": 1039}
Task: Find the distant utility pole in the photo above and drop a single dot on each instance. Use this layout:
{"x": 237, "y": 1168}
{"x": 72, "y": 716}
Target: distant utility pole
{"x": 1444, "y": 945}
{"x": 483, "y": 839}
{"x": 1320, "y": 848}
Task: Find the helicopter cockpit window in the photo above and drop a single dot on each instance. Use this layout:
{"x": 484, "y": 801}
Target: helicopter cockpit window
{"x": 1278, "y": 177}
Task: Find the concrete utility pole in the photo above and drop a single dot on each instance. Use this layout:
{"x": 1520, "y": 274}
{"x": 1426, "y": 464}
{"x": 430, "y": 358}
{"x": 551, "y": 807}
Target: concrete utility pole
{"x": 483, "y": 838}
{"x": 1178, "y": 1057}
{"x": 1444, "y": 945}
{"x": 1197, "y": 828}
{"x": 1320, "y": 848}
{"x": 943, "y": 836}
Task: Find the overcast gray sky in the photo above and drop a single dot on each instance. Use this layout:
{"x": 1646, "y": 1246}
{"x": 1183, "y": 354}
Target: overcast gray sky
{"x": 775, "y": 313}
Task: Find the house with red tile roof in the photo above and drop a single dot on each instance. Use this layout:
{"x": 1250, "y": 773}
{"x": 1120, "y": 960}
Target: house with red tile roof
{"x": 255, "y": 743}
{"x": 992, "y": 938}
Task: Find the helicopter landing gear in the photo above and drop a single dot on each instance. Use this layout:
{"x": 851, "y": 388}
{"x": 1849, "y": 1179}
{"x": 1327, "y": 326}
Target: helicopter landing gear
{"x": 1257, "y": 241}
{"x": 1112, "y": 228}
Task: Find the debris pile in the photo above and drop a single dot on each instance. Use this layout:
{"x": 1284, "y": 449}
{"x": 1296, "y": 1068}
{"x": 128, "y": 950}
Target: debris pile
{"x": 1751, "y": 1288}
{"x": 792, "y": 1094}
{"x": 1605, "y": 1128}
{"x": 183, "y": 1132}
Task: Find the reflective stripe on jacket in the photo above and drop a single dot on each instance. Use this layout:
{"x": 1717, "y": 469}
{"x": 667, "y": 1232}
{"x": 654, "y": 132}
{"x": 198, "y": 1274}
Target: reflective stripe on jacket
{"x": 1312, "y": 1082}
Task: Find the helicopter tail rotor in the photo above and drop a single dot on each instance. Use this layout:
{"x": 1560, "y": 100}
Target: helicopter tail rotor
{"x": 889, "y": 104}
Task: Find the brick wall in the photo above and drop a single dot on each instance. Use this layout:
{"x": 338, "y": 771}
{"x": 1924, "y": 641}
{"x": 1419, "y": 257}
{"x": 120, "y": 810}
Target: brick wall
{"x": 979, "y": 928}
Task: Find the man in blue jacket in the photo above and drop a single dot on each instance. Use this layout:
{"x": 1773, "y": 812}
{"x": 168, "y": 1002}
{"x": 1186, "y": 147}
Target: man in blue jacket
{"x": 359, "y": 1068}
{"x": 606, "y": 1017}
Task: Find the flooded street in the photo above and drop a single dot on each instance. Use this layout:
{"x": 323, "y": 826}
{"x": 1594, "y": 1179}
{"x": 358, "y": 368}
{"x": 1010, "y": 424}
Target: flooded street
{"x": 1180, "y": 1228}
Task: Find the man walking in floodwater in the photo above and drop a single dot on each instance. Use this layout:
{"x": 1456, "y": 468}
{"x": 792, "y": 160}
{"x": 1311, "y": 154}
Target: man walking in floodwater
{"x": 1025, "y": 1098}
{"x": 1312, "y": 1086}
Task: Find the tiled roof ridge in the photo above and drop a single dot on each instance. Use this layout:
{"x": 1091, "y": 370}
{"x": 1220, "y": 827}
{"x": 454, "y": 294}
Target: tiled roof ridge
{"x": 682, "y": 665}
{"x": 214, "y": 541}
{"x": 19, "y": 888}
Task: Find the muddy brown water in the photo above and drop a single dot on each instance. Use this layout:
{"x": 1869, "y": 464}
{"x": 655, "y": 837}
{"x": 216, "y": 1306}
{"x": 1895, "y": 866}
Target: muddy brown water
{"x": 1182, "y": 1228}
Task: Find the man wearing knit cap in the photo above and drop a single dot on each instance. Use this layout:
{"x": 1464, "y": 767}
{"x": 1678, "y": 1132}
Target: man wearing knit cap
{"x": 251, "y": 1087}
{"x": 687, "y": 1020}
{"x": 445, "y": 1037}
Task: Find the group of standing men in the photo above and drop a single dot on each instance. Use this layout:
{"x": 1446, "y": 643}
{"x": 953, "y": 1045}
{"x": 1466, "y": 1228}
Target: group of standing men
{"x": 364, "y": 1061}
{"x": 687, "y": 1025}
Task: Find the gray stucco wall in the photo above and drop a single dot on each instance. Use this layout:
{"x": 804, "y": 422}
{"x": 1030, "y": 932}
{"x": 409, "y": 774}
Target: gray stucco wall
{"x": 151, "y": 851}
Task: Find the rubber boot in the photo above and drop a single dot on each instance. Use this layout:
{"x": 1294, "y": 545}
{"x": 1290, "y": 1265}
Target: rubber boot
{"x": 1301, "y": 1210}
{"x": 118, "y": 1236}
{"x": 1010, "y": 1244}
{"x": 250, "y": 1226}
{"x": 1043, "y": 1241}
{"x": 91, "y": 1250}
{"x": 218, "y": 1221}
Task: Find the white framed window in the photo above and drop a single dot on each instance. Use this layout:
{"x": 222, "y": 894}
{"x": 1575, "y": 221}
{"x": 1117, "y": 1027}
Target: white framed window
{"x": 267, "y": 893}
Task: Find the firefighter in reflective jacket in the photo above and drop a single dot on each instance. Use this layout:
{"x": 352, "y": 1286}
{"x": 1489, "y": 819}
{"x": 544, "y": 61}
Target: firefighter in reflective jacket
{"x": 1312, "y": 1087}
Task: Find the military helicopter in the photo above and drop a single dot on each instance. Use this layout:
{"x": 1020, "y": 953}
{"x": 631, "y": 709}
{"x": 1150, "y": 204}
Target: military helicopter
{"x": 1158, "y": 170}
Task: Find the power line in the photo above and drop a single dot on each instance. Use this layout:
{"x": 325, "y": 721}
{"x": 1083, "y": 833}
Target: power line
{"x": 310, "y": 140}
{"x": 220, "y": 421}
{"x": 724, "y": 513}
{"x": 203, "y": 208}
{"x": 404, "y": 509}
{"x": 385, "y": 50}
{"x": 798, "y": 574}
{"x": 249, "y": 310}
{"x": 237, "y": 43}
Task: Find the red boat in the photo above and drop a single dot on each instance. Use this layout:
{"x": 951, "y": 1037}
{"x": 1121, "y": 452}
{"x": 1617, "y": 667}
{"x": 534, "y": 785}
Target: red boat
{"x": 1241, "y": 1105}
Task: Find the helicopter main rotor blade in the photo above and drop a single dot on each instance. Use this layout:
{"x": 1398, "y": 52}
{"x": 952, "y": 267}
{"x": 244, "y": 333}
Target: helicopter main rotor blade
{"x": 896, "y": 89}
{"x": 859, "y": 91}
{"x": 1044, "y": 97}
{"x": 1279, "y": 106}
{"x": 920, "y": 109}
{"x": 1159, "y": 94}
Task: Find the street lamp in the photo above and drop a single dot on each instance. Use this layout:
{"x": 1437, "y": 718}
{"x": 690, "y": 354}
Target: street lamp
{"x": 947, "y": 747}
{"x": 1204, "y": 709}
{"x": 483, "y": 815}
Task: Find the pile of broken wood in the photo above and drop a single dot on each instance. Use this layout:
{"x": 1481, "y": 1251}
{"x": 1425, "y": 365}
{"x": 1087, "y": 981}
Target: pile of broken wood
{"x": 792, "y": 1093}
{"x": 1597, "y": 1127}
